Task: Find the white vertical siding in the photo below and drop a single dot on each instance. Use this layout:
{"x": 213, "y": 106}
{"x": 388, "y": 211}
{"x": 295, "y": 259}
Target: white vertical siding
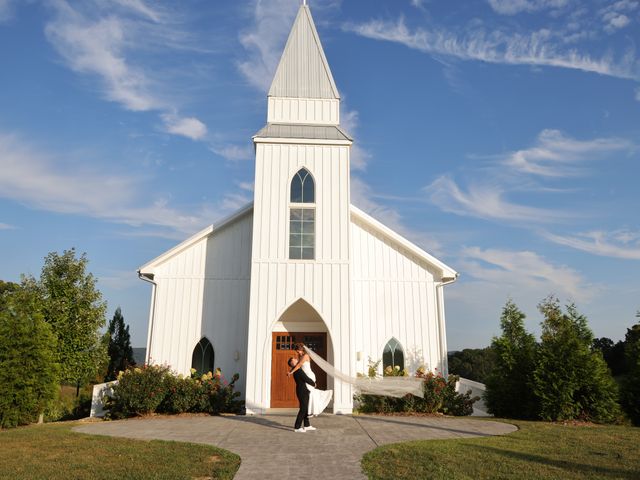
{"x": 304, "y": 111}
{"x": 277, "y": 282}
{"x": 204, "y": 291}
{"x": 394, "y": 295}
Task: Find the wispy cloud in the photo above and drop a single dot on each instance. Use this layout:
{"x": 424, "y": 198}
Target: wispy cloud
{"x": 189, "y": 127}
{"x": 618, "y": 244}
{"x": 102, "y": 43}
{"x": 6, "y": 226}
{"x": 231, "y": 152}
{"x": 363, "y": 198}
{"x": 44, "y": 182}
{"x": 537, "y": 48}
{"x": 487, "y": 201}
{"x": 512, "y": 7}
{"x": 349, "y": 119}
{"x": 6, "y": 10}
{"x": 558, "y": 155}
{"x": 515, "y": 270}
{"x": 265, "y": 39}
{"x": 615, "y": 16}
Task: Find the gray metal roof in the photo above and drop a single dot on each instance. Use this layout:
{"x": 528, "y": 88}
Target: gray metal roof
{"x": 303, "y": 71}
{"x": 307, "y": 132}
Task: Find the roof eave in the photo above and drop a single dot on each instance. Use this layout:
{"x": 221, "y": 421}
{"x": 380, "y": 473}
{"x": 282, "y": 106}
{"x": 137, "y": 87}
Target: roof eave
{"x": 148, "y": 269}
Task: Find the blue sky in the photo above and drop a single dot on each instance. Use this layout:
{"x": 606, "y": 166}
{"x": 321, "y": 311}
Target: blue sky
{"x": 501, "y": 136}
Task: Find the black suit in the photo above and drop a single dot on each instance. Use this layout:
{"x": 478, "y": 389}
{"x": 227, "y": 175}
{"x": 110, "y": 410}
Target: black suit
{"x": 302, "y": 392}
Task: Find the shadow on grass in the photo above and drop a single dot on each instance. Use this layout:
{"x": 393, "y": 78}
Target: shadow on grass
{"x": 561, "y": 464}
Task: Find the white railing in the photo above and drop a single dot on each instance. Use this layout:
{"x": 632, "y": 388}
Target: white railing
{"x": 477, "y": 389}
{"x": 99, "y": 391}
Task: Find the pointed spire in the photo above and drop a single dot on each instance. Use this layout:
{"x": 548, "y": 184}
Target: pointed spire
{"x": 303, "y": 71}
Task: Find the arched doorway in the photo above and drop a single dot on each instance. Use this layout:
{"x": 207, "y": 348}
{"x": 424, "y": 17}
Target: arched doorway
{"x": 299, "y": 323}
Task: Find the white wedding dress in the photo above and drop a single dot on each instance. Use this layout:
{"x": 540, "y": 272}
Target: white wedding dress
{"x": 318, "y": 399}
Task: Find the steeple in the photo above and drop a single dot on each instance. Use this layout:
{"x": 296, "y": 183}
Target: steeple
{"x": 303, "y": 71}
{"x": 303, "y": 90}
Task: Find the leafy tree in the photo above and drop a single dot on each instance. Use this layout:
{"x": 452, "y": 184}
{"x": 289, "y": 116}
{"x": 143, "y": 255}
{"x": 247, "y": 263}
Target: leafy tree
{"x": 613, "y": 354}
{"x": 28, "y": 368}
{"x": 630, "y": 394}
{"x": 571, "y": 380}
{"x": 7, "y": 287}
{"x": 472, "y": 363}
{"x": 74, "y": 308}
{"x": 509, "y": 389}
{"x": 120, "y": 351}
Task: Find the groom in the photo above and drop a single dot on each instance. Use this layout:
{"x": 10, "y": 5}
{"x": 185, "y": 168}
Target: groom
{"x": 302, "y": 392}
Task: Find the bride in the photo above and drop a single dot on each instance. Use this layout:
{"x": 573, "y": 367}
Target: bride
{"x": 318, "y": 399}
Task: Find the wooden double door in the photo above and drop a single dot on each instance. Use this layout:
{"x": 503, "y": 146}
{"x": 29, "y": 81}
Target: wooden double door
{"x": 283, "y": 387}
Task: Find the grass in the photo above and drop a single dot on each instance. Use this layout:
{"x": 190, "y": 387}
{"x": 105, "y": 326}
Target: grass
{"x": 53, "y": 451}
{"x": 538, "y": 450}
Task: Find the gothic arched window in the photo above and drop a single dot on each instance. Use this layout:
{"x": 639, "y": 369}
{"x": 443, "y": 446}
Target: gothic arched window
{"x": 202, "y": 358}
{"x": 303, "y": 187}
{"x": 302, "y": 218}
{"x": 392, "y": 355}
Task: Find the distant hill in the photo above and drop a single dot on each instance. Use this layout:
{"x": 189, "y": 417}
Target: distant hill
{"x": 139, "y": 355}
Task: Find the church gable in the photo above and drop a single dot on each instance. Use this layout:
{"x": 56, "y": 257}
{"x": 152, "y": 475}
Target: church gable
{"x": 370, "y": 239}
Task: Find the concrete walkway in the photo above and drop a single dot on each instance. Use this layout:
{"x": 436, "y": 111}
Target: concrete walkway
{"x": 271, "y": 450}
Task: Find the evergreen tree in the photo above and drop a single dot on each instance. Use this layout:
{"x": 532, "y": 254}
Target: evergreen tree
{"x": 571, "y": 380}
{"x": 28, "y": 368}
{"x": 509, "y": 391}
{"x": 630, "y": 394}
{"x": 73, "y": 307}
{"x": 120, "y": 351}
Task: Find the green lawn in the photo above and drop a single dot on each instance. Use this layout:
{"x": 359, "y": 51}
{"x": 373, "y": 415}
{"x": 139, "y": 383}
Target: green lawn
{"x": 53, "y": 451}
{"x": 538, "y": 450}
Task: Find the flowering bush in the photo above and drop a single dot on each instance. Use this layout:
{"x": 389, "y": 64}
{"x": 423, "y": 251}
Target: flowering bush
{"x": 153, "y": 388}
{"x": 439, "y": 395}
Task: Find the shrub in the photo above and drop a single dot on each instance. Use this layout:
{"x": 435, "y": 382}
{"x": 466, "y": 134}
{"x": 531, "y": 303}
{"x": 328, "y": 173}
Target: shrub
{"x": 570, "y": 380}
{"x": 439, "y": 396}
{"x": 150, "y": 389}
{"x": 139, "y": 391}
{"x": 28, "y": 369}
{"x": 509, "y": 390}
{"x": 630, "y": 392}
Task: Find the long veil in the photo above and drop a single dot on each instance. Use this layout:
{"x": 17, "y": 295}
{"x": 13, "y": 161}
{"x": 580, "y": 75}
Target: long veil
{"x": 386, "y": 386}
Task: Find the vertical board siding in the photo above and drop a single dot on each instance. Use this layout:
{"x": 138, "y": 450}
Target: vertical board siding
{"x": 393, "y": 296}
{"x": 204, "y": 291}
{"x": 276, "y": 281}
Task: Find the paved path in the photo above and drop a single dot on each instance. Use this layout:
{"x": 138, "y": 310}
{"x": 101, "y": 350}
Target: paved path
{"x": 270, "y": 449}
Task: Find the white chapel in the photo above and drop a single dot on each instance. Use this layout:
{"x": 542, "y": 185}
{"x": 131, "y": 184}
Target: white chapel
{"x": 301, "y": 263}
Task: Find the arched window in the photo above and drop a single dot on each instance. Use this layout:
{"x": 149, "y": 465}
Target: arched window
{"x": 392, "y": 355}
{"x": 202, "y": 358}
{"x": 302, "y": 219}
{"x": 302, "y": 187}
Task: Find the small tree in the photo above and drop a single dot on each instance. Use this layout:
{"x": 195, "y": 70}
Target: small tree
{"x": 120, "y": 351}
{"x": 572, "y": 381}
{"x": 74, "y": 308}
{"x": 28, "y": 368}
{"x": 630, "y": 394}
{"x": 509, "y": 389}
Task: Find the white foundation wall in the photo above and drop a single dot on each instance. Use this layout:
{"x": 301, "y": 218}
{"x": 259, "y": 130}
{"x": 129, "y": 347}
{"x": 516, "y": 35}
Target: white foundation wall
{"x": 394, "y": 296}
{"x": 278, "y": 282}
{"x": 204, "y": 291}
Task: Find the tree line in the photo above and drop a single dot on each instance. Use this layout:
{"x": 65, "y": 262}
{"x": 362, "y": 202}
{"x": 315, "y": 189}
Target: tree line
{"x": 566, "y": 375}
{"x": 51, "y": 335}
